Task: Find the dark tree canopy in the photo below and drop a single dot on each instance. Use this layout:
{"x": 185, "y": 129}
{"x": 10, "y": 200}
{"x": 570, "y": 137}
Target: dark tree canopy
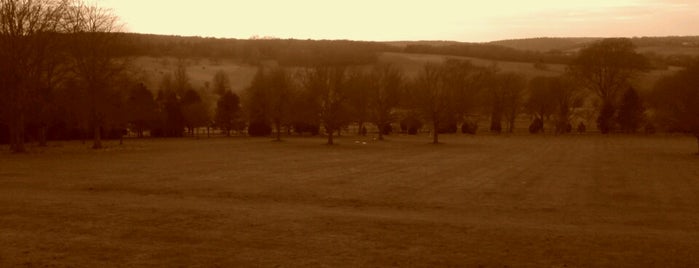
{"x": 605, "y": 68}
{"x": 676, "y": 99}
{"x": 630, "y": 114}
{"x": 141, "y": 109}
{"x": 227, "y": 116}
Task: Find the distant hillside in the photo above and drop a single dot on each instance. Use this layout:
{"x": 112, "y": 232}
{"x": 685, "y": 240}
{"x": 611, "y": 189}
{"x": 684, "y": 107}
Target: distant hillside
{"x": 669, "y": 45}
{"x": 546, "y": 44}
{"x": 663, "y": 51}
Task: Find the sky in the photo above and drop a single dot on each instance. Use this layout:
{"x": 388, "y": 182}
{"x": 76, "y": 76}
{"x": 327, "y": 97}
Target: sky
{"x": 398, "y": 20}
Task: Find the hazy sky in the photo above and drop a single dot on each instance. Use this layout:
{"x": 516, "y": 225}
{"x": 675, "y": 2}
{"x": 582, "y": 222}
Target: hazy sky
{"x": 383, "y": 20}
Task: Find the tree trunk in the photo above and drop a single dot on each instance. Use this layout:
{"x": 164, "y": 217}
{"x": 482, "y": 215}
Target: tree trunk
{"x": 97, "y": 140}
{"x": 277, "y": 124}
{"x": 17, "y": 136}
{"x": 42, "y": 136}
{"x": 330, "y": 136}
{"x": 381, "y": 125}
{"x": 697, "y": 144}
{"x": 435, "y": 135}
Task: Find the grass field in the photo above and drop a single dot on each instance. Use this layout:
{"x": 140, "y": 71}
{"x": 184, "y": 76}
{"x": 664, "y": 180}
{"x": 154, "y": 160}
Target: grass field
{"x": 493, "y": 201}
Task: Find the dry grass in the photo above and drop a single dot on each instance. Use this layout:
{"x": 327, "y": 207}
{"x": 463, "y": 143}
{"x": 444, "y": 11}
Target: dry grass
{"x": 572, "y": 201}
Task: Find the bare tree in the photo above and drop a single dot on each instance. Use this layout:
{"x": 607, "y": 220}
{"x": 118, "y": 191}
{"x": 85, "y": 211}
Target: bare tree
{"x": 384, "y": 94}
{"x": 541, "y": 102}
{"x": 512, "y": 87}
{"x": 329, "y": 86}
{"x": 568, "y": 96}
{"x": 27, "y": 30}
{"x": 466, "y": 81}
{"x": 359, "y": 89}
{"x": 280, "y": 95}
{"x": 93, "y": 45}
{"x": 430, "y": 95}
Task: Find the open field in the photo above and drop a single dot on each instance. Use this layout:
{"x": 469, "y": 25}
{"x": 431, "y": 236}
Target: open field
{"x": 568, "y": 201}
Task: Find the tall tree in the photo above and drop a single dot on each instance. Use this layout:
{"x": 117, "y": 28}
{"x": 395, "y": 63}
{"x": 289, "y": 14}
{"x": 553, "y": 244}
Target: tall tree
{"x": 430, "y": 95}
{"x": 386, "y": 82}
{"x": 466, "y": 81}
{"x": 568, "y": 96}
{"x": 541, "y": 102}
{"x": 257, "y": 104}
{"x": 676, "y": 100}
{"x": 329, "y": 85}
{"x": 141, "y": 109}
{"x": 180, "y": 79}
{"x": 94, "y": 60}
{"x": 512, "y": 86}
{"x": 227, "y": 115}
{"x": 27, "y": 31}
{"x": 221, "y": 83}
{"x": 194, "y": 111}
{"x": 280, "y": 93}
{"x": 359, "y": 89}
{"x": 630, "y": 115}
{"x": 605, "y": 68}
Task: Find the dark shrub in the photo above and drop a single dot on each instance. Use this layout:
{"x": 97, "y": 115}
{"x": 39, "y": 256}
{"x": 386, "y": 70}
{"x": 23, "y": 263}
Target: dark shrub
{"x": 410, "y": 125}
{"x": 387, "y": 129}
{"x": 4, "y": 134}
{"x": 582, "y": 128}
{"x": 564, "y": 128}
{"x": 301, "y": 128}
{"x": 469, "y": 127}
{"x": 259, "y": 129}
{"x": 649, "y": 128}
{"x": 605, "y": 120}
{"x": 447, "y": 128}
{"x": 536, "y": 126}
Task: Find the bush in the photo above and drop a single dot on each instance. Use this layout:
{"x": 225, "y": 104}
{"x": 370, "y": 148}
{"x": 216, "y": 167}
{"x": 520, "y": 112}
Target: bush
{"x": 259, "y": 129}
{"x": 410, "y": 125}
{"x": 447, "y": 128}
{"x": 536, "y": 126}
{"x": 387, "y": 129}
{"x": 469, "y": 127}
{"x": 582, "y": 128}
{"x": 564, "y": 128}
{"x": 649, "y": 129}
{"x": 301, "y": 128}
{"x": 605, "y": 120}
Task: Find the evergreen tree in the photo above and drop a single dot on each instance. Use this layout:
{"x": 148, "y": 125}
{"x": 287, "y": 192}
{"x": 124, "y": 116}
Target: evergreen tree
{"x": 630, "y": 115}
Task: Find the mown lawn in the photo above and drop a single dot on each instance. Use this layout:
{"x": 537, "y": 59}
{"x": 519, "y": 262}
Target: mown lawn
{"x": 493, "y": 201}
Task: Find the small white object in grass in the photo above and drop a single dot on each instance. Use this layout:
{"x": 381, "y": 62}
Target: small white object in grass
{"x": 364, "y": 143}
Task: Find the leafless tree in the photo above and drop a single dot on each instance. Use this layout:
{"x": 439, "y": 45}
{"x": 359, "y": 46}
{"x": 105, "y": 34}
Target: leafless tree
{"x": 93, "y": 41}
{"x": 329, "y": 85}
{"x": 431, "y": 96}
{"x": 512, "y": 86}
{"x": 385, "y": 83}
{"x": 27, "y": 32}
{"x": 281, "y": 93}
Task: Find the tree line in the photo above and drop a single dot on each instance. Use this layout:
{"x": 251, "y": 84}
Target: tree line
{"x": 63, "y": 74}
